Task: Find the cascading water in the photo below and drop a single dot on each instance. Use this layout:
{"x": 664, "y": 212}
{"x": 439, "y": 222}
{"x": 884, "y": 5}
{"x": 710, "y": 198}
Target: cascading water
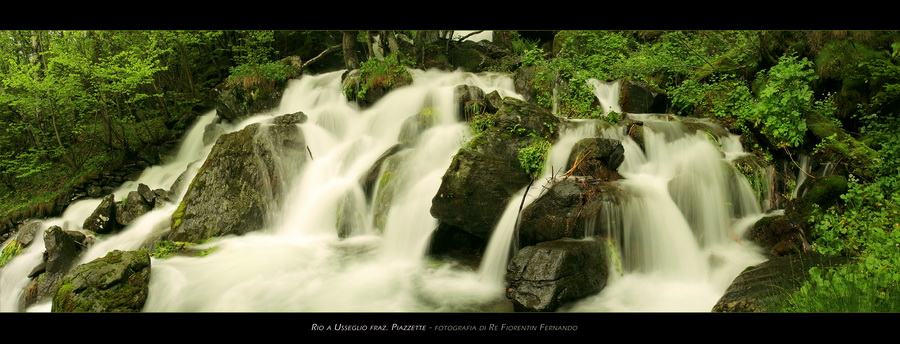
{"x": 681, "y": 221}
{"x": 303, "y": 261}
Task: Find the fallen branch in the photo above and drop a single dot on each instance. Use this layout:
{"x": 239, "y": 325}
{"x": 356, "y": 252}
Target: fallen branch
{"x": 576, "y": 164}
{"x": 323, "y": 53}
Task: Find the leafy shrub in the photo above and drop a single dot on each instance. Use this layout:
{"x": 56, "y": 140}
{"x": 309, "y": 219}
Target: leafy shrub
{"x": 783, "y": 100}
{"x": 387, "y": 72}
{"x": 532, "y": 157}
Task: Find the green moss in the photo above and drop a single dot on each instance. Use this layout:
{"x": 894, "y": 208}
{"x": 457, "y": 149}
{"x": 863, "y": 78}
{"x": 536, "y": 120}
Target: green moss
{"x": 10, "y": 251}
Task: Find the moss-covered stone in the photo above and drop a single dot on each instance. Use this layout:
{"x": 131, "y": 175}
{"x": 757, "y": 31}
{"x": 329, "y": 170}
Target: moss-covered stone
{"x": 242, "y": 179}
{"x": 118, "y": 282}
{"x": 486, "y": 172}
{"x": 10, "y": 251}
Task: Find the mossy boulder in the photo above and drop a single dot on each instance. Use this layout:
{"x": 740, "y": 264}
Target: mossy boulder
{"x": 486, "y": 172}
{"x": 242, "y": 96}
{"x": 791, "y": 233}
{"x": 242, "y": 180}
{"x": 118, "y": 282}
{"x": 530, "y": 83}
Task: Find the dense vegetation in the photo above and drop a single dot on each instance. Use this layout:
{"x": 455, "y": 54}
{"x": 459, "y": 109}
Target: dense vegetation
{"x": 76, "y": 104}
{"x": 835, "y": 94}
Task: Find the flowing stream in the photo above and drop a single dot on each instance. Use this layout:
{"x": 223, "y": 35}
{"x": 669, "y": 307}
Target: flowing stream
{"x": 678, "y": 241}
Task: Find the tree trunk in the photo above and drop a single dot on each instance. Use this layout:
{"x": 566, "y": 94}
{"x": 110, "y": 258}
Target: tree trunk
{"x": 351, "y": 59}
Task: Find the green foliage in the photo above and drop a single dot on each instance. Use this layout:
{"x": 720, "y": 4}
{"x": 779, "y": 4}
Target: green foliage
{"x": 255, "y": 47}
{"x": 274, "y": 71}
{"x": 723, "y": 96}
{"x": 165, "y": 249}
{"x": 866, "y": 228}
{"x": 482, "y": 122}
{"x": 532, "y": 156}
{"x": 10, "y": 251}
{"x": 784, "y": 99}
{"x": 387, "y": 72}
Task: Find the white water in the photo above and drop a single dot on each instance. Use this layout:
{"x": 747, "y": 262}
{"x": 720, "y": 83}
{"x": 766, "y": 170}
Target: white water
{"x": 682, "y": 221}
{"x": 300, "y": 263}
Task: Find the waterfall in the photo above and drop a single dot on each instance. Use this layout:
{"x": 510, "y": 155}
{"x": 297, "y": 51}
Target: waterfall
{"x": 608, "y": 95}
{"x": 496, "y": 256}
{"x": 330, "y": 248}
{"x": 681, "y": 223}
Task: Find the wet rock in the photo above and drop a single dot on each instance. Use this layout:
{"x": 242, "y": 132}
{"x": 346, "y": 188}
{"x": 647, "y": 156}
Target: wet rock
{"x": 243, "y": 178}
{"x": 760, "y": 288}
{"x": 598, "y": 158}
{"x": 638, "y": 97}
{"x": 415, "y": 125}
{"x": 291, "y": 118}
{"x": 246, "y": 95}
{"x": 63, "y": 248}
{"x": 792, "y": 232}
{"x": 548, "y": 275}
{"x": 486, "y": 173}
{"x": 103, "y": 219}
{"x": 118, "y": 282}
{"x": 569, "y": 209}
{"x": 133, "y": 207}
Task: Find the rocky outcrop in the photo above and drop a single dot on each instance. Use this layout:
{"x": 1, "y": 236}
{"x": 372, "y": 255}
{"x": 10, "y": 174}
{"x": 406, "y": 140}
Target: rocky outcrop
{"x": 545, "y": 276}
{"x": 63, "y": 248}
{"x": 486, "y": 172}
{"x": 366, "y": 90}
{"x": 241, "y": 180}
{"x": 474, "y": 57}
{"x": 118, "y": 282}
{"x": 760, "y": 288}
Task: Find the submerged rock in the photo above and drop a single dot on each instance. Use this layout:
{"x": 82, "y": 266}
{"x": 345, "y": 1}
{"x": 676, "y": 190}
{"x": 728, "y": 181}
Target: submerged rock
{"x": 547, "y": 275}
{"x": 118, "y": 282}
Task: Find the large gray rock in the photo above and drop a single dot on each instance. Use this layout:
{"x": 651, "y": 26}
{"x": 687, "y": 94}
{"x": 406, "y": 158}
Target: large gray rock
{"x": 546, "y": 276}
{"x": 569, "y": 209}
{"x": 243, "y": 178}
{"x": 118, "y": 282}
{"x": 133, "y": 207}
